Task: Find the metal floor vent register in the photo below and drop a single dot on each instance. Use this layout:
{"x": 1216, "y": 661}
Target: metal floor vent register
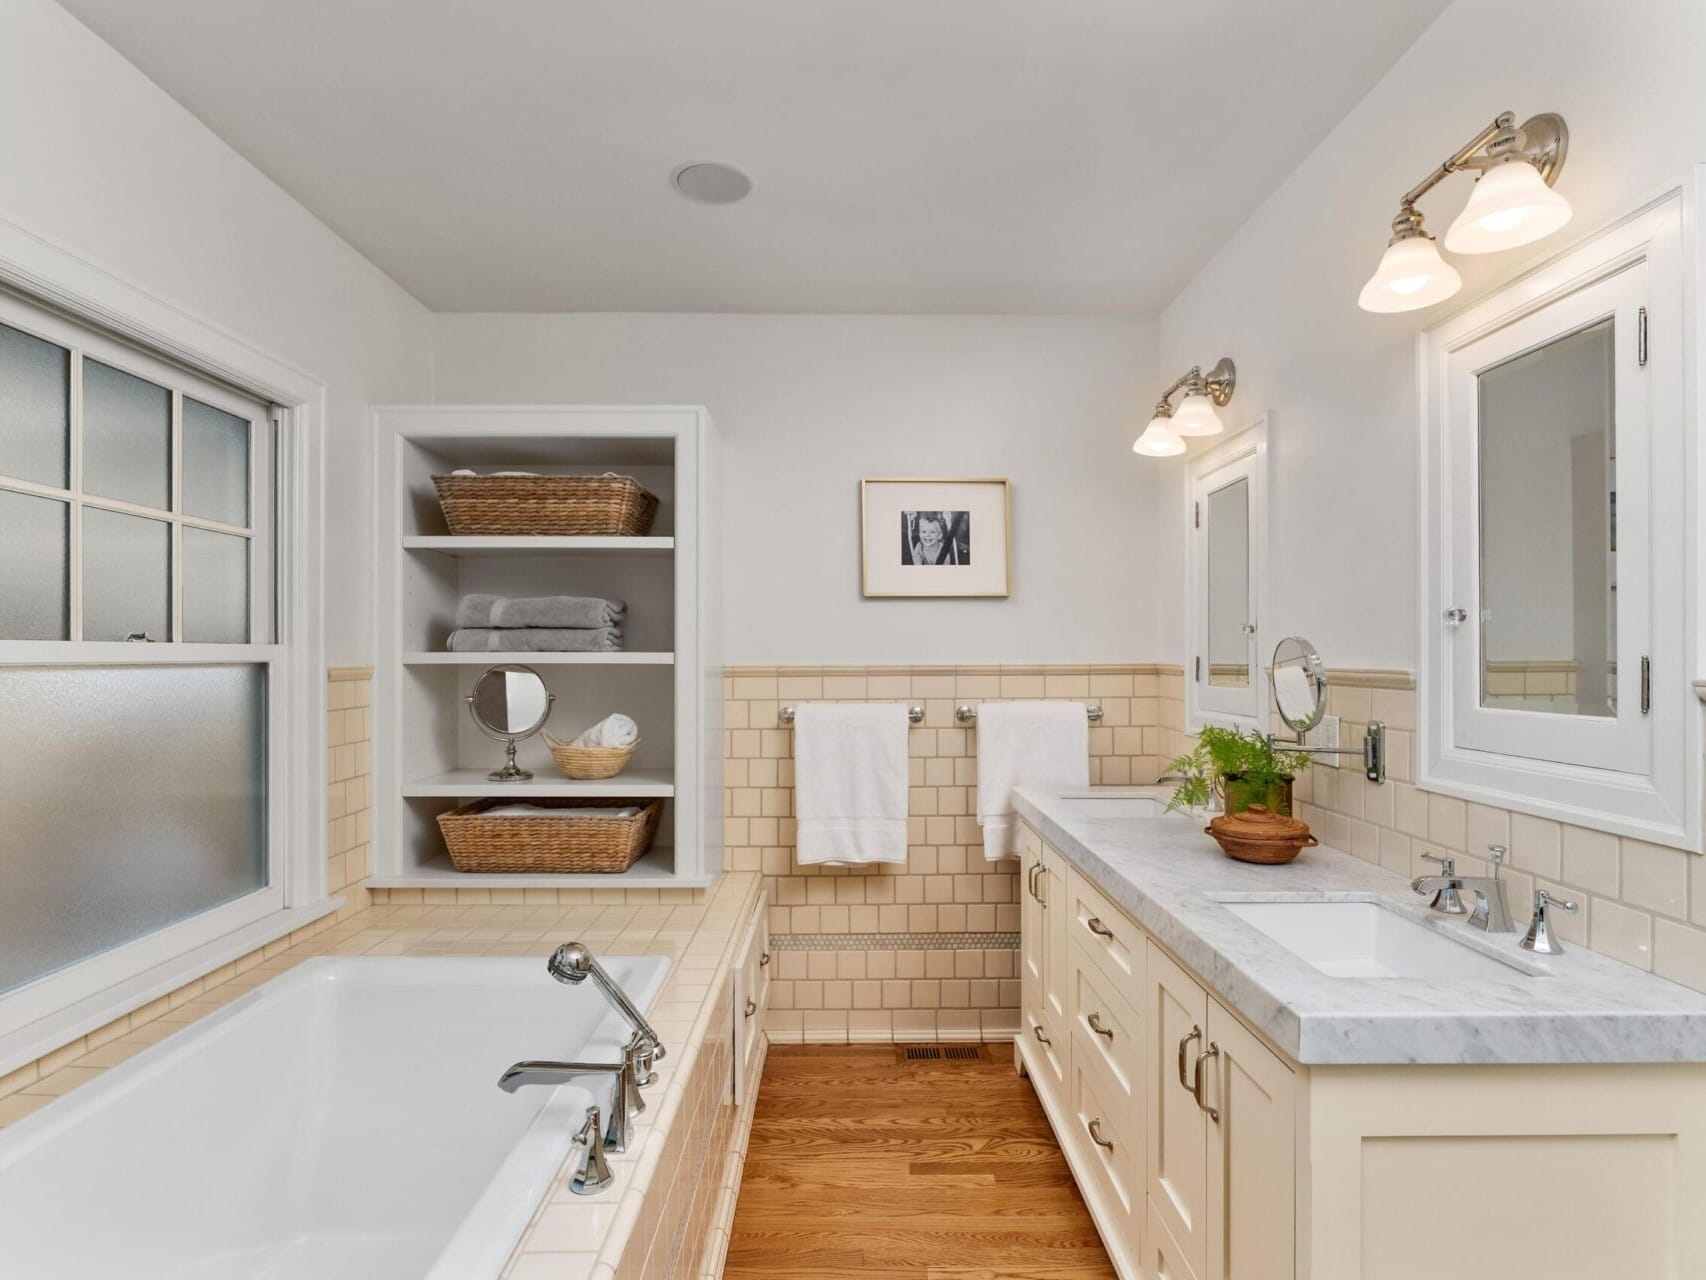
{"x": 941, "y": 1053}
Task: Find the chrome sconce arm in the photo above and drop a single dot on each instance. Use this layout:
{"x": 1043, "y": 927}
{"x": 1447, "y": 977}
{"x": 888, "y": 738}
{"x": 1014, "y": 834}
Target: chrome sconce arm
{"x": 1372, "y": 750}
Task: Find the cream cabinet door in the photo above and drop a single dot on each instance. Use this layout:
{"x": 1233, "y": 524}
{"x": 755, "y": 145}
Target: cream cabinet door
{"x": 1056, "y": 964}
{"x": 1252, "y": 1171}
{"x": 1032, "y": 935}
{"x": 1179, "y": 1130}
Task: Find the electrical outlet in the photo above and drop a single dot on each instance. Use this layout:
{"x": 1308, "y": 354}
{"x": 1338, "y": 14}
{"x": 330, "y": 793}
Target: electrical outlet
{"x": 1325, "y": 734}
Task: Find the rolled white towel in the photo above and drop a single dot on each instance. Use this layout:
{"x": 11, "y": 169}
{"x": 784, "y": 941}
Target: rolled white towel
{"x": 563, "y": 811}
{"x": 611, "y": 732}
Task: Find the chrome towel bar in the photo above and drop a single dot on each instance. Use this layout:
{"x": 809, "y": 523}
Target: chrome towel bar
{"x": 785, "y": 715}
{"x": 967, "y": 714}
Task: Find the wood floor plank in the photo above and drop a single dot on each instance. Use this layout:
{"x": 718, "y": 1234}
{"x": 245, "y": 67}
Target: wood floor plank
{"x": 862, "y": 1164}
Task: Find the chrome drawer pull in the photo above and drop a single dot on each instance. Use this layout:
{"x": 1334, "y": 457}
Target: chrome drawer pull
{"x": 1041, "y": 1038}
{"x": 1213, "y": 1051}
{"x": 751, "y": 1006}
{"x": 1095, "y": 1128}
{"x": 1195, "y": 1034}
{"x": 1095, "y": 1021}
{"x": 1095, "y": 926}
{"x": 1033, "y": 882}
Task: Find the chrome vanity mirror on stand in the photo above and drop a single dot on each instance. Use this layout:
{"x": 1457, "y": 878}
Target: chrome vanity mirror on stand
{"x": 510, "y": 704}
{"x": 1300, "y": 692}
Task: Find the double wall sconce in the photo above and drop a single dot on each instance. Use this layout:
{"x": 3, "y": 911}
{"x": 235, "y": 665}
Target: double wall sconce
{"x": 1512, "y": 204}
{"x": 1195, "y": 416}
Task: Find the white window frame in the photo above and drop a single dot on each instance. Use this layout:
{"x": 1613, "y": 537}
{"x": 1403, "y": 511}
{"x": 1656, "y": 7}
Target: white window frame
{"x": 123, "y": 324}
{"x": 1635, "y": 775}
{"x": 1240, "y": 457}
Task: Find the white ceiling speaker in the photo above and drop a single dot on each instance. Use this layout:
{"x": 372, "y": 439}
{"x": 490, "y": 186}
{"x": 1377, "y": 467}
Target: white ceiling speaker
{"x": 712, "y": 183}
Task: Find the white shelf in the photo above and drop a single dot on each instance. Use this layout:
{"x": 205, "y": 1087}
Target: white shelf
{"x": 654, "y": 871}
{"x": 637, "y": 783}
{"x": 524, "y": 546}
{"x": 434, "y": 658}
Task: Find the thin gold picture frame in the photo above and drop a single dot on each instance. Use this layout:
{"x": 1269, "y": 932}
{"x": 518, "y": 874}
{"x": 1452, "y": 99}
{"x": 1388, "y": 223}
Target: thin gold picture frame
{"x": 1006, "y": 590}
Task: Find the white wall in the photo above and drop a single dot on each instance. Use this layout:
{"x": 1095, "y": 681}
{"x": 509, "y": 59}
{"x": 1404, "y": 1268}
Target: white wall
{"x": 97, "y": 159}
{"x": 1280, "y": 297}
{"x": 809, "y": 404}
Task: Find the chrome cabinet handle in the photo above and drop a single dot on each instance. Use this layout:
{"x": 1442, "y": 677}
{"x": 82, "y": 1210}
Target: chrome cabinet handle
{"x": 751, "y": 1006}
{"x": 1095, "y": 1128}
{"x": 1095, "y": 926}
{"x": 1213, "y": 1051}
{"x": 1095, "y": 1021}
{"x": 1195, "y": 1034}
{"x": 763, "y": 959}
{"x": 1041, "y": 1038}
{"x": 1035, "y": 869}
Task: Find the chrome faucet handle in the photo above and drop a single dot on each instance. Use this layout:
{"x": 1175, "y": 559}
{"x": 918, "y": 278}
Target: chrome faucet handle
{"x": 1540, "y": 937}
{"x": 592, "y": 1172}
{"x": 1444, "y": 887}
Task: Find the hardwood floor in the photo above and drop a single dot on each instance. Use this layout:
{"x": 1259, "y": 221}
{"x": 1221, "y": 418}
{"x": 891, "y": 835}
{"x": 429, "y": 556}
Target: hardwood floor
{"x": 861, "y": 1164}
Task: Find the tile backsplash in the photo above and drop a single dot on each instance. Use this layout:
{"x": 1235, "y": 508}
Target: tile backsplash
{"x": 1642, "y": 903}
{"x": 927, "y": 949}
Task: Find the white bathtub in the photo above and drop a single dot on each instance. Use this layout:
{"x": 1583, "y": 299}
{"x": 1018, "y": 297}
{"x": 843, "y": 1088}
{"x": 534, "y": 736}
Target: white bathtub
{"x": 341, "y": 1122}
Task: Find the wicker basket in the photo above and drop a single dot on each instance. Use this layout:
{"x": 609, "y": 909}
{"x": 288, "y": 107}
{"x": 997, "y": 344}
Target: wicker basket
{"x": 539, "y": 844}
{"x": 590, "y": 764}
{"x": 546, "y": 506}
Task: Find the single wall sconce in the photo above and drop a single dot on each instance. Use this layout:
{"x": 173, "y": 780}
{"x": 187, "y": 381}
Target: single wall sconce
{"x": 1195, "y": 416}
{"x": 1512, "y": 204}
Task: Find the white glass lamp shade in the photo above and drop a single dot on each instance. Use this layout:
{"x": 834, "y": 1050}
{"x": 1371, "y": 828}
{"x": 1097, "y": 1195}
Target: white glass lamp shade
{"x": 1511, "y": 205}
{"x": 1195, "y": 416}
{"x": 1158, "y": 440}
{"x": 1411, "y": 275}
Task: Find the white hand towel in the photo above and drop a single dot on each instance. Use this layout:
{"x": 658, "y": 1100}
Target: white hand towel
{"x": 850, "y": 783}
{"x": 1025, "y": 744}
{"x": 612, "y": 731}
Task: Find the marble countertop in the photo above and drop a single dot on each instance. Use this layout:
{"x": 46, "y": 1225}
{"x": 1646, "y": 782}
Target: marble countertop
{"x": 1173, "y": 880}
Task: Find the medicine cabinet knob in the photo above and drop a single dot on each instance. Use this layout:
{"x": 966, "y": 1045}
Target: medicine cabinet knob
{"x": 1457, "y": 617}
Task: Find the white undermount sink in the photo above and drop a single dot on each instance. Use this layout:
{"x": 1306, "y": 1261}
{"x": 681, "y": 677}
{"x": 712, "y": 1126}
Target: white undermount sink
{"x": 1365, "y": 940}
{"x": 1109, "y": 804}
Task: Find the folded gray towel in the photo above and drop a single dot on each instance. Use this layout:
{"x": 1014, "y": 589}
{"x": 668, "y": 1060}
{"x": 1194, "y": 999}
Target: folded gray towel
{"x": 539, "y": 611}
{"x": 536, "y": 640}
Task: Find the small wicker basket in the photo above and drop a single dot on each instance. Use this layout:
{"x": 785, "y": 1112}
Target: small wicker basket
{"x": 546, "y": 506}
{"x": 549, "y": 845}
{"x": 590, "y": 764}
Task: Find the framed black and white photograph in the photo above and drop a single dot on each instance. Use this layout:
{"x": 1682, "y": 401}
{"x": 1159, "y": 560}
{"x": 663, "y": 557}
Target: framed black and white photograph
{"x": 935, "y": 537}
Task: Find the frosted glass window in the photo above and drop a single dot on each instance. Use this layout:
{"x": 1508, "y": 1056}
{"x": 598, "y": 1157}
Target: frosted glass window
{"x": 216, "y": 464}
{"x": 216, "y": 587}
{"x": 35, "y": 409}
{"x": 136, "y": 798}
{"x": 127, "y": 576}
{"x": 34, "y": 533}
{"x": 127, "y": 437}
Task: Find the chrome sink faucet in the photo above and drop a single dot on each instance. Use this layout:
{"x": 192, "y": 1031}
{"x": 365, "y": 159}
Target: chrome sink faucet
{"x": 1492, "y": 913}
{"x": 1446, "y": 887}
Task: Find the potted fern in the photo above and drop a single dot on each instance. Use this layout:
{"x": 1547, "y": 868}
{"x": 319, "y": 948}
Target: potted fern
{"x": 1242, "y": 767}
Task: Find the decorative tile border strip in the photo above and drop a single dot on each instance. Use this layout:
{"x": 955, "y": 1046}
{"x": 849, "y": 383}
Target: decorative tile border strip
{"x": 894, "y": 942}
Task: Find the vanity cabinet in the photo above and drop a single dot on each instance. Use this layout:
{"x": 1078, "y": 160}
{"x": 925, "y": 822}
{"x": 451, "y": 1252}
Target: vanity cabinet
{"x": 1178, "y": 1122}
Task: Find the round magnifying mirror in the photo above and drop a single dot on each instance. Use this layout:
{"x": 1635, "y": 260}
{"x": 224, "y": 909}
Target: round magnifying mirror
{"x": 510, "y": 703}
{"x": 1300, "y": 684}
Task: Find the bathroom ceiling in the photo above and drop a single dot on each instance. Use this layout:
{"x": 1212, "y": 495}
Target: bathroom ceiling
{"x": 906, "y": 155}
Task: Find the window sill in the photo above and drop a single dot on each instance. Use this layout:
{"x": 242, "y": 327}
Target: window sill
{"x": 44, "y": 1035}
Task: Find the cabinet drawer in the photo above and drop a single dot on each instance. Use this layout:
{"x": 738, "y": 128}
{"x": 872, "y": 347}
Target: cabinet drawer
{"x": 1108, "y": 1143}
{"x": 1107, "y": 935}
{"x": 1106, "y": 1029}
{"x": 1162, "y": 1258}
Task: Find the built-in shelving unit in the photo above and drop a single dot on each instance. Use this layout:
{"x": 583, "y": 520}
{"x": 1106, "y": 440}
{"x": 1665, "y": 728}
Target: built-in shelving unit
{"x": 429, "y": 757}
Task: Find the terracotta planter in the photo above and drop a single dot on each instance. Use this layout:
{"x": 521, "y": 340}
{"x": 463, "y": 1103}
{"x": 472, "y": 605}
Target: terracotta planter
{"x": 1256, "y": 835}
{"x": 1237, "y": 795}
